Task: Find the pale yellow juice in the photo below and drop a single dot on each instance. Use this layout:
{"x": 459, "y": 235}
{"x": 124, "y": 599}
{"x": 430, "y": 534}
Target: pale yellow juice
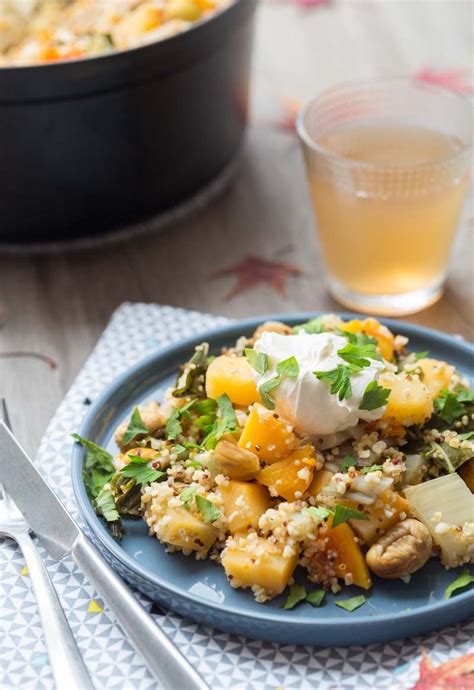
{"x": 379, "y": 235}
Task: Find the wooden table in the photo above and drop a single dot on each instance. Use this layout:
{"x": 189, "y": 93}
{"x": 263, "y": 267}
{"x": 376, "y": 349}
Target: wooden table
{"x": 59, "y": 304}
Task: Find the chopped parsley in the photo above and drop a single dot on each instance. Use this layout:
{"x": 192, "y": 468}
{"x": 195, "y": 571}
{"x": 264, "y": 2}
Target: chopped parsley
{"x": 313, "y": 326}
{"x": 372, "y": 468}
{"x": 449, "y": 406}
{"x": 257, "y": 360}
{"x": 343, "y": 514}
{"x": 359, "y": 355}
{"x": 173, "y": 425}
{"x": 358, "y": 338}
{"x": 320, "y": 512}
{"x": 340, "y": 380}
{"x": 135, "y": 427}
{"x": 296, "y": 594}
{"x": 347, "y": 462}
{"x": 98, "y": 466}
{"x": 316, "y": 597}
{"x": 187, "y": 495}
{"x": 466, "y": 436}
{"x": 225, "y": 421}
{"x": 420, "y": 355}
{"x": 375, "y": 396}
{"x": 463, "y": 580}
{"x": 288, "y": 367}
{"x": 265, "y": 390}
{"x": 208, "y": 510}
{"x": 139, "y": 469}
{"x": 351, "y": 604}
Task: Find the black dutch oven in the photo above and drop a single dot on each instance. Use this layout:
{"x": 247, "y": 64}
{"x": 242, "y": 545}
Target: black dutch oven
{"x": 94, "y": 144}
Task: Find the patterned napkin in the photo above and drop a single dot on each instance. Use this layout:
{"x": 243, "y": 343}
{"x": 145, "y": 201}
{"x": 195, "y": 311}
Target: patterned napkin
{"x": 224, "y": 660}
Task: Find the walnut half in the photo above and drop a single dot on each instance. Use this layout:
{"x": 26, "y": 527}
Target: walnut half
{"x": 402, "y": 550}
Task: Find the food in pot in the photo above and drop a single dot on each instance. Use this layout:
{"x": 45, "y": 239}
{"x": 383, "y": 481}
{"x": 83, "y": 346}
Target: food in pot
{"x": 42, "y": 31}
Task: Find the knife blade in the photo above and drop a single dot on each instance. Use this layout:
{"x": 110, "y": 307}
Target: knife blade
{"x": 60, "y": 535}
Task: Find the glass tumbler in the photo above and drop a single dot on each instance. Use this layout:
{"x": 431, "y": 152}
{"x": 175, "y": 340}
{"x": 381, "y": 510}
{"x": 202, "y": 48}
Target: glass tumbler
{"x": 388, "y": 169}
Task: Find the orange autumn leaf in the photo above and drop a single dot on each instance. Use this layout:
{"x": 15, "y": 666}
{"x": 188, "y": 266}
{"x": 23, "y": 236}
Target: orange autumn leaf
{"x": 457, "y": 674}
{"x": 252, "y": 271}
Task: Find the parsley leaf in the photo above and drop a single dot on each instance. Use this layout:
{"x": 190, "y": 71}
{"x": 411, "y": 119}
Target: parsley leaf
{"x": 372, "y": 468}
{"x": 139, "y": 469}
{"x": 173, "y": 425}
{"x": 343, "y": 514}
{"x": 265, "y": 389}
{"x": 375, "y": 396}
{"x": 351, "y": 604}
{"x": 296, "y": 594}
{"x": 105, "y": 504}
{"x": 339, "y": 378}
{"x": 358, "y": 355}
{"x": 316, "y": 597}
{"x": 313, "y": 326}
{"x": 358, "y": 338}
{"x": 464, "y": 395}
{"x": 320, "y": 512}
{"x": 347, "y": 462}
{"x": 225, "y": 421}
{"x": 288, "y": 367}
{"x": 187, "y": 495}
{"x": 448, "y": 406}
{"x": 463, "y": 580}
{"x": 194, "y": 463}
{"x": 135, "y": 427}
{"x": 98, "y": 466}
{"x": 420, "y": 355}
{"x": 208, "y": 510}
{"x": 257, "y": 360}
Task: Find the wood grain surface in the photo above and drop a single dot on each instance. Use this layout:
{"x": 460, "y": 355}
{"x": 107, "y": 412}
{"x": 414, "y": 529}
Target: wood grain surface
{"x": 59, "y": 304}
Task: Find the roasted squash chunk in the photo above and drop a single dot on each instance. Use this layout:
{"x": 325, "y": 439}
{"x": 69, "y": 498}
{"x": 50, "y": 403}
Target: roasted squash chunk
{"x": 410, "y": 401}
{"x": 375, "y": 329}
{"x": 436, "y": 375}
{"x": 258, "y": 563}
{"x": 387, "y": 510}
{"x": 267, "y": 435}
{"x": 231, "y": 375}
{"x": 290, "y": 478}
{"x": 187, "y": 531}
{"x": 338, "y": 555}
{"x": 244, "y": 503}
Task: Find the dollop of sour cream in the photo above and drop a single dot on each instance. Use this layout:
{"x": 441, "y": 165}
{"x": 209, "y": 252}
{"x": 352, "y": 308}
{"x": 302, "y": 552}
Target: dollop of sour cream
{"x": 307, "y": 402}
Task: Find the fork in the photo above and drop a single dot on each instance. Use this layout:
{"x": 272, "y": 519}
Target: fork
{"x": 67, "y": 665}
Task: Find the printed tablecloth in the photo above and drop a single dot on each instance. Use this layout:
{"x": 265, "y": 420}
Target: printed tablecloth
{"x": 224, "y": 660}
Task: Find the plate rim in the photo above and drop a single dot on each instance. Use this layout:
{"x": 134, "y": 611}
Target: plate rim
{"x": 267, "y": 615}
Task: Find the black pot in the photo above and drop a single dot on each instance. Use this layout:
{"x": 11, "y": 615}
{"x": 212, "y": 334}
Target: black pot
{"x": 95, "y": 144}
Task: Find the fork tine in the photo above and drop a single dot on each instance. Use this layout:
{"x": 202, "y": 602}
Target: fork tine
{"x": 4, "y": 416}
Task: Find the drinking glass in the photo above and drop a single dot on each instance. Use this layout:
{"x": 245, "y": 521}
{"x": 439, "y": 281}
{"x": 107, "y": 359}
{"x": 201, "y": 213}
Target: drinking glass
{"x": 388, "y": 169}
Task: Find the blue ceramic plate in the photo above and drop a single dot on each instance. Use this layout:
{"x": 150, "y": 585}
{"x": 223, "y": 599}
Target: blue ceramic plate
{"x": 199, "y": 589}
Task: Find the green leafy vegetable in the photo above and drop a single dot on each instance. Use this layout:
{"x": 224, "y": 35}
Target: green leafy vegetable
{"x": 192, "y": 374}
{"x": 351, "y": 604}
{"x": 448, "y": 406}
{"x": 339, "y": 378}
{"x": 173, "y": 425}
{"x": 372, "y": 468}
{"x": 135, "y": 428}
{"x": 194, "y": 463}
{"x": 187, "y": 495}
{"x": 467, "y": 436}
{"x": 447, "y": 457}
{"x": 208, "y": 510}
{"x": 140, "y": 470}
{"x": 420, "y": 355}
{"x": 375, "y": 396}
{"x": 347, "y": 462}
{"x": 357, "y": 338}
{"x": 105, "y": 504}
{"x": 265, "y": 390}
{"x": 98, "y": 466}
{"x": 225, "y": 422}
{"x": 314, "y": 326}
{"x": 343, "y": 514}
{"x": 463, "y": 580}
{"x": 464, "y": 395}
{"x": 288, "y": 367}
{"x": 257, "y": 360}
{"x": 296, "y": 594}
{"x": 316, "y": 597}
{"x": 320, "y": 512}
{"x": 358, "y": 355}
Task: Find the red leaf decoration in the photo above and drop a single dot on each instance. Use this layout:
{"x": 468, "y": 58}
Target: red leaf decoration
{"x": 457, "y": 674}
{"x": 457, "y": 80}
{"x": 252, "y": 271}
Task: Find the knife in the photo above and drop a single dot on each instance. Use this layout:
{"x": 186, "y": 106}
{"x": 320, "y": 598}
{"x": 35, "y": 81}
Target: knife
{"x": 60, "y": 535}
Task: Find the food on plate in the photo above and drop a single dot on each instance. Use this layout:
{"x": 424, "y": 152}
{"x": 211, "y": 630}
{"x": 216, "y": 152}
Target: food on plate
{"x": 42, "y": 31}
{"x": 329, "y": 446}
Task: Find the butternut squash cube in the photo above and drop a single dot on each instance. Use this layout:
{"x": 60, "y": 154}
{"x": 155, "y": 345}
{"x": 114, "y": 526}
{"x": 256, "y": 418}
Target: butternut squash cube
{"x": 244, "y": 503}
{"x": 339, "y": 556}
{"x": 187, "y": 531}
{"x": 410, "y": 400}
{"x": 231, "y": 375}
{"x": 267, "y": 435}
{"x": 436, "y": 374}
{"x": 389, "y": 509}
{"x": 258, "y": 563}
{"x": 375, "y": 329}
{"x": 290, "y": 478}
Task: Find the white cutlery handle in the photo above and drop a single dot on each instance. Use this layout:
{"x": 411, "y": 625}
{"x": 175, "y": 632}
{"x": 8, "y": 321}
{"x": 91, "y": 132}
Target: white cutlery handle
{"x": 168, "y": 666}
{"x": 66, "y": 661}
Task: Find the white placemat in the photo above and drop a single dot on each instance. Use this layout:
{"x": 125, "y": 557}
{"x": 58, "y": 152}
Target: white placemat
{"x": 225, "y": 661}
